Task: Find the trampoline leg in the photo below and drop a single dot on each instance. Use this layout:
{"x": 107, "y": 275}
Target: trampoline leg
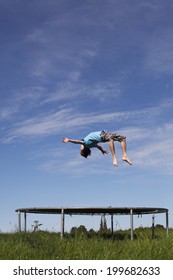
{"x": 19, "y": 221}
{"x": 112, "y": 224}
{"x": 131, "y": 223}
{"x": 167, "y": 223}
{"x": 153, "y": 220}
{"x": 25, "y": 222}
{"x": 62, "y": 223}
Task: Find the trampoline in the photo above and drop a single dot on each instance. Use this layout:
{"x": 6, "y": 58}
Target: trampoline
{"x": 131, "y": 211}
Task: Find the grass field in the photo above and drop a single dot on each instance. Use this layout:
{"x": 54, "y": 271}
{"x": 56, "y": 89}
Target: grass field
{"x": 50, "y": 246}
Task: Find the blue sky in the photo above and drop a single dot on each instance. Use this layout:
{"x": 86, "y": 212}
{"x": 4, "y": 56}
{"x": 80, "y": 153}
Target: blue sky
{"x": 71, "y": 67}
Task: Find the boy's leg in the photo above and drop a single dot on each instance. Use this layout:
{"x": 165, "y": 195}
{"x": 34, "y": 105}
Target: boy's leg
{"x": 124, "y": 152}
{"x": 112, "y": 149}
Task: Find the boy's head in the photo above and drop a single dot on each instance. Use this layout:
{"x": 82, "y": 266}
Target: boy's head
{"x": 85, "y": 151}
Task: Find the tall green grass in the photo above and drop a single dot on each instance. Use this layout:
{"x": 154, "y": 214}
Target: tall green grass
{"x": 50, "y": 246}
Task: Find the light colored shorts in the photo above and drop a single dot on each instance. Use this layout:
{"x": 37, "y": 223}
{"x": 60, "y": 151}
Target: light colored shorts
{"x": 107, "y": 136}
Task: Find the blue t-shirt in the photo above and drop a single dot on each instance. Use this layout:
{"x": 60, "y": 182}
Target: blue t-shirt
{"x": 92, "y": 139}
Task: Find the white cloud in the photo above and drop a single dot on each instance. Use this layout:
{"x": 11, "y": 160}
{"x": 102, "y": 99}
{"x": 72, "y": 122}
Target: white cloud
{"x": 57, "y": 49}
{"x": 154, "y": 148}
{"x": 42, "y": 125}
{"x": 157, "y": 155}
{"x": 68, "y": 119}
{"x": 19, "y": 103}
{"x": 101, "y": 92}
{"x": 7, "y": 112}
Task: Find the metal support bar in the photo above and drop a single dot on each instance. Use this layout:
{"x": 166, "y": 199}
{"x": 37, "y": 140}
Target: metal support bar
{"x": 62, "y": 223}
{"x": 25, "y": 222}
{"x": 112, "y": 224}
{"x": 19, "y": 221}
{"x": 131, "y": 223}
{"x": 167, "y": 223}
{"x": 153, "y": 224}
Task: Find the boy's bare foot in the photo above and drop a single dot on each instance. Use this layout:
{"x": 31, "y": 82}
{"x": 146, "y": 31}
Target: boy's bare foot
{"x": 125, "y": 158}
{"x": 115, "y": 162}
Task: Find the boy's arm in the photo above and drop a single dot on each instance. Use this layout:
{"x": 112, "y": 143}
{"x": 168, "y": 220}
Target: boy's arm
{"x": 66, "y": 140}
{"x": 102, "y": 150}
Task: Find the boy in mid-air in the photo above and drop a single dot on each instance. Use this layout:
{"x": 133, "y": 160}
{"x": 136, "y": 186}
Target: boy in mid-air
{"x": 94, "y": 138}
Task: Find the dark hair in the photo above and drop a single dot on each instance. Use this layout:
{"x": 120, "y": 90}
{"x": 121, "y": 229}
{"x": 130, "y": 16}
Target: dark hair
{"x": 85, "y": 152}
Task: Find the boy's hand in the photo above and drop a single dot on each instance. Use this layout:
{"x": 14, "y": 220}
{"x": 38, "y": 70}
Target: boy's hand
{"x": 105, "y": 152}
{"x": 102, "y": 150}
{"x": 65, "y": 140}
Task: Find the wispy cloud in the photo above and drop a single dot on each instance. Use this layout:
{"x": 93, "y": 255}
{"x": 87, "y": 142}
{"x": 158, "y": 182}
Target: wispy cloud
{"x": 68, "y": 119}
{"x": 20, "y": 103}
{"x": 7, "y": 112}
{"x": 102, "y": 92}
{"x": 156, "y": 155}
{"x": 50, "y": 52}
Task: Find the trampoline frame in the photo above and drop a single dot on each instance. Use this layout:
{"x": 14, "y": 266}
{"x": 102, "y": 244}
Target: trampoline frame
{"x": 94, "y": 211}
